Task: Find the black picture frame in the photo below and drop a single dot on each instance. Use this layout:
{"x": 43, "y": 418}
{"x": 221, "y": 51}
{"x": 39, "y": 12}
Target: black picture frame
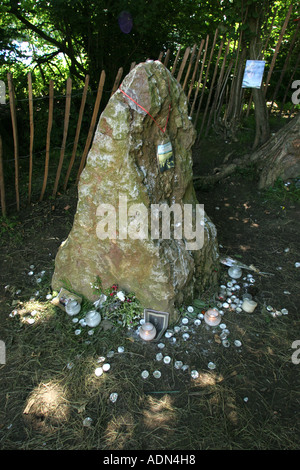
{"x": 159, "y": 319}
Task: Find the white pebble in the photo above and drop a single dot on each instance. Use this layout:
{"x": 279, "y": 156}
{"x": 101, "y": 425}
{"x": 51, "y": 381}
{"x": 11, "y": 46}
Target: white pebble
{"x": 98, "y": 371}
{"x": 113, "y": 397}
{"x": 178, "y": 364}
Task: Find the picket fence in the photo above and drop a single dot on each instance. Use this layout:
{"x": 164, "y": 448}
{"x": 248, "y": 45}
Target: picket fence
{"x": 207, "y": 87}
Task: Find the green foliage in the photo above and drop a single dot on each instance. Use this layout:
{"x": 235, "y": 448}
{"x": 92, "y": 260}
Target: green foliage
{"x": 120, "y": 307}
{"x": 77, "y": 37}
{"x": 284, "y": 191}
{"x": 9, "y": 229}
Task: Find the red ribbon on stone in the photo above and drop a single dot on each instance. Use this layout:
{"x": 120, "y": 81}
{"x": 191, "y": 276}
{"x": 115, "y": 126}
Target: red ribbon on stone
{"x": 163, "y": 130}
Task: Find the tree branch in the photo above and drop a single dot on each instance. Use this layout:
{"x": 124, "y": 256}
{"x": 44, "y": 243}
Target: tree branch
{"x": 37, "y": 30}
{"x": 61, "y": 46}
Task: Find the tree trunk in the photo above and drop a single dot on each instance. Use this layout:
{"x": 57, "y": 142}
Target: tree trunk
{"x": 279, "y": 157}
{"x": 262, "y": 133}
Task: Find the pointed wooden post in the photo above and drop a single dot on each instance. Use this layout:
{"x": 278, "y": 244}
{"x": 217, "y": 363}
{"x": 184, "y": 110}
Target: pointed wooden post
{"x": 92, "y": 125}
{"x": 167, "y": 57}
{"x": 117, "y": 80}
{"x": 176, "y": 60}
{"x": 2, "y": 186}
{"x": 195, "y": 69}
{"x": 49, "y": 128}
{"x": 79, "y": 122}
{"x": 12, "y": 103}
{"x": 30, "y": 98}
{"x": 277, "y": 49}
{"x": 65, "y": 134}
{"x": 184, "y": 60}
{"x": 189, "y": 68}
{"x": 200, "y": 77}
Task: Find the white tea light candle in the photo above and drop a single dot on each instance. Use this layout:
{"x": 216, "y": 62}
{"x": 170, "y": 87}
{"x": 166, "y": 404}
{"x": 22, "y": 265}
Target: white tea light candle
{"x": 72, "y": 307}
{"x": 235, "y": 272}
{"x": 93, "y": 318}
{"x": 249, "y": 305}
{"x": 147, "y": 331}
{"x": 212, "y": 317}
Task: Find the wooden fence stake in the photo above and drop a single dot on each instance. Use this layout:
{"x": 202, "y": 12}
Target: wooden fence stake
{"x": 117, "y": 80}
{"x": 79, "y": 122}
{"x": 232, "y": 91}
{"x": 184, "y": 60}
{"x": 65, "y": 134}
{"x": 167, "y": 57}
{"x": 218, "y": 89}
{"x": 176, "y": 60}
{"x": 211, "y": 86}
{"x": 222, "y": 94}
{"x": 92, "y": 125}
{"x": 200, "y": 76}
{"x": 12, "y": 103}
{"x": 277, "y": 49}
{"x": 285, "y": 65}
{"x": 206, "y": 76}
{"x": 195, "y": 70}
{"x": 189, "y": 67}
{"x": 49, "y": 128}
{"x": 30, "y": 102}
{"x": 2, "y": 187}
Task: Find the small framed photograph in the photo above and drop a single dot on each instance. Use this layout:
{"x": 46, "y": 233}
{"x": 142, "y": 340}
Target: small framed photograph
{"x": 159, "y": 319}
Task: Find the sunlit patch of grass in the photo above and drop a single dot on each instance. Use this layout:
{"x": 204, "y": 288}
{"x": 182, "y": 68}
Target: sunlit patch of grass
{"x": 50, "y": 374}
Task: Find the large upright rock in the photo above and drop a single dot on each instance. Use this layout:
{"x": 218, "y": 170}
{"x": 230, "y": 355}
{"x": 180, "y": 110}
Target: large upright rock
{"x": 122, "y": 168}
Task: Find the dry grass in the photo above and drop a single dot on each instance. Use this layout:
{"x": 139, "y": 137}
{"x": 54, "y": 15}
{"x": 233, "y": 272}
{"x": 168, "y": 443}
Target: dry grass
{"x": 48, "y": 387}
{"x": 44, "y": 401}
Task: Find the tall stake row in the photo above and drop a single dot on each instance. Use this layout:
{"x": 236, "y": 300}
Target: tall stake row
{"x": 195, "y": 78}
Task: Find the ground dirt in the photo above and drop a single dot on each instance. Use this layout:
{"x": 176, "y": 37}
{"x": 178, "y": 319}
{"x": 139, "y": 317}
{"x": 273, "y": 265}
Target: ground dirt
{"x": 255, "y": 389}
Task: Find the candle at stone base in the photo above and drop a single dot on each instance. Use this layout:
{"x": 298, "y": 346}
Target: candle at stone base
{"x": 235, "y": 272}
{"x": 72, "y": 307}
{"x": 93, "y": 318}
{"x": 212, "y": 317}
{"x": 249, "y": 305}
{"x": 147, "y": 331}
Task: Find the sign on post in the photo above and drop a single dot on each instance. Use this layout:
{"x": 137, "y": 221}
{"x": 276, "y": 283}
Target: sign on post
{"x": 253, "y": 74}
